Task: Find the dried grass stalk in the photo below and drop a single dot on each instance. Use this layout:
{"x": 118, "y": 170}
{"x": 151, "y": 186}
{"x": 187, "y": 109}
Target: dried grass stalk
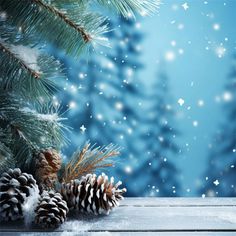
{"x": 88, "y": 159}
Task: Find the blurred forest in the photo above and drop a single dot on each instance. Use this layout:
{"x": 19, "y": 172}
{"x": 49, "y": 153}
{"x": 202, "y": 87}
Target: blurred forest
{"x": 108, "y": 99}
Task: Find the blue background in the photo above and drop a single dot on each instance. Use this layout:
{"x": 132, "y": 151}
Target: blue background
{"x": 194, "y": 48}
{"x": 198, "y": 74}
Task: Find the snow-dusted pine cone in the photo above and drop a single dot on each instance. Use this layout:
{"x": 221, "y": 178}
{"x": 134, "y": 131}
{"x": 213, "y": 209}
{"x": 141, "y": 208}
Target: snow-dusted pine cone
{"x": 51, "y": 210}
{"x": 92, "y": 194}
{"x": 47, "y": 165}
{"x": 15, "y": 189}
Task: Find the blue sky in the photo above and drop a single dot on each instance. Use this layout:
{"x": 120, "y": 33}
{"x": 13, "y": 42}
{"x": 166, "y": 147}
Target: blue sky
{"x": 197, "y": 45}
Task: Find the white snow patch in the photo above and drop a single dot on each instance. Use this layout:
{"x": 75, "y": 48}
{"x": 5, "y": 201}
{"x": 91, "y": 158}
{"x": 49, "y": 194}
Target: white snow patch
{"x": 28, "y": 55}
{"x": 76, "y": 226}
{"x": 29, "y": 206}
{"x": 48, "y": 117}
{"x": 81, "y": 225}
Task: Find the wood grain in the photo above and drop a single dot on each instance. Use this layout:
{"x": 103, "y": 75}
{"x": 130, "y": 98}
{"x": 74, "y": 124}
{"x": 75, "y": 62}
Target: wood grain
{"x": 149, "y": 216}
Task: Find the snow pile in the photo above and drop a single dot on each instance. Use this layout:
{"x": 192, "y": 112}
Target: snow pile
{"x": 28, "y": 55}
{"x": 30, "y": 205}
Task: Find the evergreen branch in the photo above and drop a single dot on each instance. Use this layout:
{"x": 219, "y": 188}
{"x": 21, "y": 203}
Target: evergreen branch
{"x": 30, "y": 130}
{"x": 87, "y": 160}
{"x": 86, "y": 37}
{"x": 72, "y": 31}
{"x": 21, "y": 77}
{"x": 6, "y": 155}
{"x": 17, "y": 60}
{"x": 129, "y": 7}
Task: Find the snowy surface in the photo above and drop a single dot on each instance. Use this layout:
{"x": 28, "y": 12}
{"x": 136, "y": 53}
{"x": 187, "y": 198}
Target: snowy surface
{"x": 139, "y": 216}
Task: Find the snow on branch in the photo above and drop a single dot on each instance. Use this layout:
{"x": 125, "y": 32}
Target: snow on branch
{"x": 72, "y": 30}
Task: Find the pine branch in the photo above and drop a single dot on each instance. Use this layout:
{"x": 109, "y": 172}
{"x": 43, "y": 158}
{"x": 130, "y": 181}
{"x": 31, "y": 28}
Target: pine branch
{"x": 89, "y": 159}
{"x": 29, "y": 129}
{"x": 21, "y": 77}
{"x": 86, "y": 37}
{"x": 69, "y": 30}
{"x": 12, "y": 56}
{"x": 128, "y": 8}
{"x": 6, "y": 155}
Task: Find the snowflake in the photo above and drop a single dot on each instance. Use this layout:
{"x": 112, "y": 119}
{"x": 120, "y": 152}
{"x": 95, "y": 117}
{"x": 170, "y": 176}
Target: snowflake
{"x": 185, "y": 6}
{"x": 216, "y": 26}
{"x": 181, "y": 102}
{"x": 82, "y": 128}
{"x": 216, "y": 182}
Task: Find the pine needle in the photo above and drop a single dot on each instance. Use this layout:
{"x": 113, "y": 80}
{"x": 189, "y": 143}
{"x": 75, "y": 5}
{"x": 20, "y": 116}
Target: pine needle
{"x": 74, "y": 30}
{"x": 89, "y": 159}
{"x": 6, "y": 155}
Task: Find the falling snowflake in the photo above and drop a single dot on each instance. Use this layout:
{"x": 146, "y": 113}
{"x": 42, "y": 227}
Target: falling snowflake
{"x": 185, "y": 6}
{"x": 181, "y": 102}
{"x": 82, "y": 128}
{"x": 216, "y": 182}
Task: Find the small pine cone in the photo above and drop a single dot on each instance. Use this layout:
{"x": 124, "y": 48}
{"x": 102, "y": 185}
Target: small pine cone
{"x": 92, "y": 194}
{"x": 47, "y": 165}
{"x": 51, "y": 211}
{"x": 15, "y": 189}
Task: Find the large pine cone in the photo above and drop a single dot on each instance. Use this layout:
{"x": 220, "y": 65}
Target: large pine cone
{"x": 47, "y": 165}
{"x": 92, "y": 194}
{"x": 51, "y": 210}
{"x": 15, "y": 189}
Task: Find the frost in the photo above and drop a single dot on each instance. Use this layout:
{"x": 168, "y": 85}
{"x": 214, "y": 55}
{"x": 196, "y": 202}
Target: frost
{"x": 86, "y": 223}
{"x": 76, "y": 225}
{"x": 47, "y": 117}
{"x": 28, "y": 55}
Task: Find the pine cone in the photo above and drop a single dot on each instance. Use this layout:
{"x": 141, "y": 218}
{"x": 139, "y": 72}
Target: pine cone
{"x": 47, "y": 165}
{"x": 92, "y": 194}
{"x": 15, "y": 189}
{"x": 51, "y": 210}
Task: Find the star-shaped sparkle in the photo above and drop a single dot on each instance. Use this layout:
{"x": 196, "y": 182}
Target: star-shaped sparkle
{"x": 185, "y": 6}
{"x": 181, "y": 102}
{"x": 82, "y": 128}
{"x": 216, "y": 182}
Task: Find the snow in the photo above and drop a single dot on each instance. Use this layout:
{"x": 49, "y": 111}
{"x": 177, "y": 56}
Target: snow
{"x": 216, "y": 26}
{"x": 47, "y": 117}
{"x": 181, "y": 101}
{"x": 216, "y": 182}
{"x": 82, "y": 128}
{"x": 28, "y": 55}
{"x": 169, "y": 56}
{"x": 185, "y": 6}
{"x": 30, "y": 205}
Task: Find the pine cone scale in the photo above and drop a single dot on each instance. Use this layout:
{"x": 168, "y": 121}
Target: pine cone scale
{"x": 92, "y": 194}
{"x": 51, "y": 210}
{"x": 47, "y": 164}
{"x": 15, "y": 189}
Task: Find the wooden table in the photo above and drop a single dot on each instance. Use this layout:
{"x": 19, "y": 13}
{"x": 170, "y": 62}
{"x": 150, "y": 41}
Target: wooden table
{"x": 149, "y": 216}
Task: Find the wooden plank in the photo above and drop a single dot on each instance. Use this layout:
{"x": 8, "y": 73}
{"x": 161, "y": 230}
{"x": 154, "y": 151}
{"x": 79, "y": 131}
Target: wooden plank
{"x": 119, "y": 234}
{"x": 151, "y": 201}
{"x": 153, "y": 219}
{"x": 153, "y": 216}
